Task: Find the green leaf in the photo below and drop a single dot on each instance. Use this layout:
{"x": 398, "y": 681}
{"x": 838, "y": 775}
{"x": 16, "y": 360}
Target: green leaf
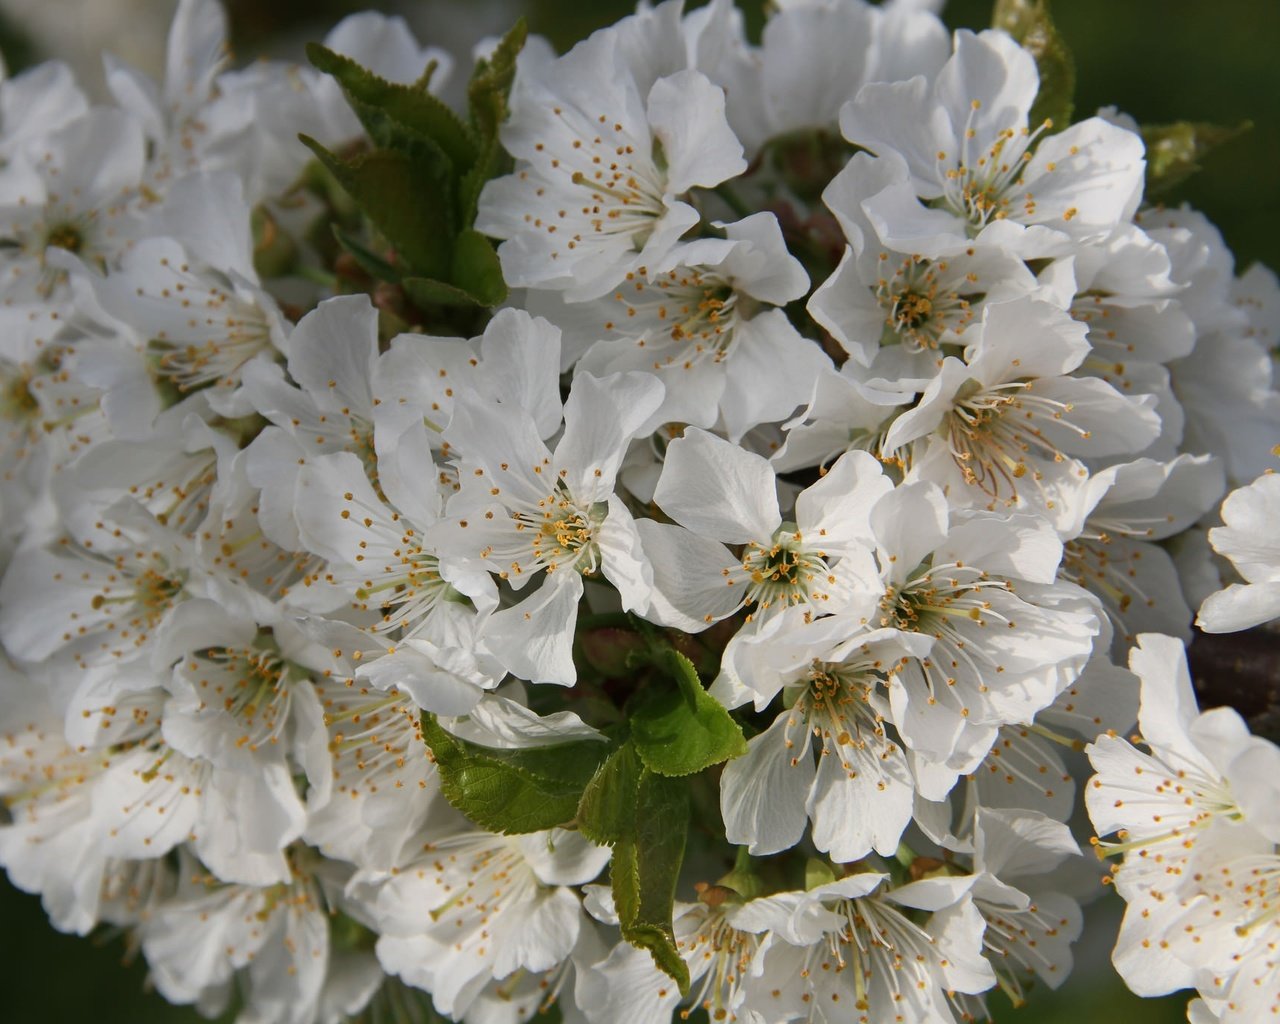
{"x": 368, "y": 260}
{"x": 491, "y": 82}
{"x": 406, "y": 199}
{"x": 475, "y": 280}
{"x": 513, "y": 791}
{"x": 422, "y": 149}
{"x": 1174, "y": 151}
{"x": 645, "y": 818}
{"x": 645, "y": 870}
{"x": 1030, "y": 23}
{"x": 476, "y": 269}
{"x": 492, "y": 163}
{"x": 426, "y": 292}
{"x": 607, "y": 810}
{"x": 680, "y": 732}
{"x": 487, "y": 103}
{"x": 385, "y": 108}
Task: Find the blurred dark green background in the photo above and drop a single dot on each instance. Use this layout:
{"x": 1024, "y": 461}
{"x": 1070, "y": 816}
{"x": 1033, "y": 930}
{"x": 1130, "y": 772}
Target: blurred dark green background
{"x": 1159, "y": 60}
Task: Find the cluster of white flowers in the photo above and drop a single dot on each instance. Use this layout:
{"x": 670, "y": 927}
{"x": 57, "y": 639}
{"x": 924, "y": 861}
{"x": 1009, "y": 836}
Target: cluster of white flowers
{"x": 827, "y": 375}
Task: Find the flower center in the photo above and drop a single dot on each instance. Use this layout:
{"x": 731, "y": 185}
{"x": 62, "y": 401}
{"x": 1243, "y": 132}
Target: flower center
{"x": 996, "y": 438}
{"x": 980, "y": 186}
{"x": 251, "y": 685}
{"x": 784, "y": 571}
{"x": 888, "y": 956}
{"x": 684, "y": 316}
{"x": 151, "y": 596}
{"x": 836, "y": 708}
{"x": 723, "y": 955}
{"x": 935, "y": 595}
{"x": 563, "y": 532}
{"x": 920, "y": 304}
{"x": 16, "y": 400}
{"x": 236, "y": 332}
{"x": 65, "y": 236}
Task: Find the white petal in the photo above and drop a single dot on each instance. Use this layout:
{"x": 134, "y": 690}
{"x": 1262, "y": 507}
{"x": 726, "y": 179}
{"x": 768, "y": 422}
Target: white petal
{"x": 502, "y": 722}
{"x": 534, "y": 639}
{"x": 860, "y": 805}
{"x": 764, "y": 268}
{"x": 1240, "y": 607}
{"x": 1096, "y": 178}
{"x": 622, "y": 558}
{"x": 1250, "y": 537}
{"x": 718, "y": 489}
{"x": 835, "y": 512}
{"x": 560, "y": 857}
{"x": 687, "y": 115}
{"x": 763, "y": 792}
{"x": 771, "y": 372}
{"x": 690, "y": 575}
{"x": 601, "y": 416}
{"x": 540, "y": 937}
{"x": 332, "y": 351}
{"x": 1168, "y": 704}
{"x": 848, "y": 310}
{"x": 990, "y": 83}
{"x": 521, "y": 354}
{"x": 901, "y": 117}
{"x": 413, "y": 670}
{"x": 909, "y": 522}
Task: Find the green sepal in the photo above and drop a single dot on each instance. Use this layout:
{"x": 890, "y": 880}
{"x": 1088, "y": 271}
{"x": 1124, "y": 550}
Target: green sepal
{"x": 1174, "y": 150}
{"x": 387, "y": 108}
{"x": 743, "y": 878}
{"x": 408, "y": 201}
{"x": 817, "y": 872}
{"x": 513, "y": 791}
{"x": 1030, "y": 23}
{"x": 646, "y": 867}
{"x": 682, "y": 731}
{"x": 275, "y": 253}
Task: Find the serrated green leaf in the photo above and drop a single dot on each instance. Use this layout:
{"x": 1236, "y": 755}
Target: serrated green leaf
{"x": 491, "y": 81}
{"x": 1174, "y": 150}
{"x": 512, "y": 791}
{"x": 476, "y": 269}
{"x": 645, "y": 870}
{"x": 492, "y": 162}
{"x": 1030, "y": 23}
{"x": 607, "y": 810}
{"x": 405, "y": 199}
{"x": 366, "y": 259}
{"x": 475, "y": 277}
{"x": 680, "y": 732}
{"x": 425, "y": 292}
{"x": 386, "y": 133}
{"x": 390, "y": 105}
